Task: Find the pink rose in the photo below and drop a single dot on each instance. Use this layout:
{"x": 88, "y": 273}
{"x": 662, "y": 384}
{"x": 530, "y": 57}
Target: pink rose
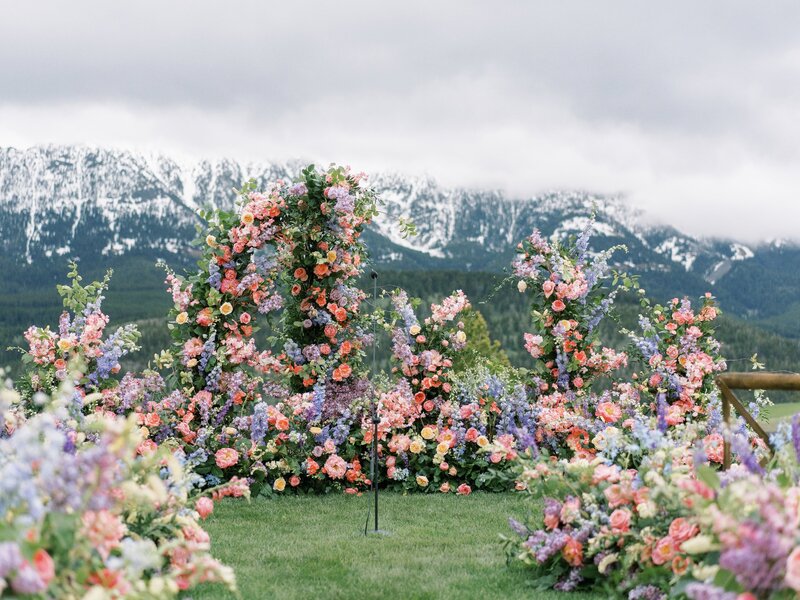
{"x": 244, "y": 318}
{"x": 713, "y": 446}
{"x": 464, "y": 490}
{"x": 793, "y": 570}
{"x": 335, "y": 467}
{"x": 681, "y": 530}
{"x": 559, "y": 306}
{"x": 204, "y": 506}
{"x": 226, "y": 457}
{"x": 620, "y": 520}
{"x": 548, "y": 288}
{"x": 44, "y": 565}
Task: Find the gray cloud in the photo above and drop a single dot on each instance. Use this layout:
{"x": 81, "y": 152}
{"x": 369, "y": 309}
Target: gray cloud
{"x": 692, "y": 109}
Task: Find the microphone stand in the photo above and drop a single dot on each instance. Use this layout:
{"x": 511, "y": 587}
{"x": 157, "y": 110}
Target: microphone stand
{"x": 375, "y": 419}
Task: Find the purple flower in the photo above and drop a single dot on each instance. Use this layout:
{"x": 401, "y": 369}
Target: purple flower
{"x": 27, "y": 581}
{"x": 707, "y": 591}
{"x": 10, "y": 558}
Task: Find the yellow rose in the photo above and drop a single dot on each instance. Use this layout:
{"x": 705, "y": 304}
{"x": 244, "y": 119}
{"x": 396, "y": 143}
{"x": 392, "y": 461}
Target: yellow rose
{"x": 226, "y": 308}
{"x": 191, "y": 363}
{"x": 182, "y": 318}
{"x": 428, "y": 433}
{"x": 315, "y": 430}
{"x": 422, "y": 481}
{"x": 211, "y": 241}
{"x": 230, "y": 430}
{"x": 415, "y": 329}
{"x": 279, "y": 485}
{"x": 145, "y": 432}
{"x": 416, "y": 447}
{"x": 461, "y": 337}
{"x": 64, "y": 345}
{"x": 483, "y": 441}
{"x": 248, "y": 218}
{"x": 331, "y": 256}
{"x": 442, "y": 448}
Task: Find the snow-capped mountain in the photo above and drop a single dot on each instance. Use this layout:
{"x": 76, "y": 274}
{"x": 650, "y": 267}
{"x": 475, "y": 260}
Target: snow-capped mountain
{"x": 58, "y": 202}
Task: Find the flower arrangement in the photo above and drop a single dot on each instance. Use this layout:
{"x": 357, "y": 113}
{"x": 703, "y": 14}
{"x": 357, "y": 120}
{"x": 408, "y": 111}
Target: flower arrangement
{"x": 85, "y": 515}
{"x": 80, "y": 337}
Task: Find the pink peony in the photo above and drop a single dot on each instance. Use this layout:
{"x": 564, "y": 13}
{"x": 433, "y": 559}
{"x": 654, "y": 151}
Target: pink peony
{"x": 226, "y": 457}
{"x": 464, "y": 490}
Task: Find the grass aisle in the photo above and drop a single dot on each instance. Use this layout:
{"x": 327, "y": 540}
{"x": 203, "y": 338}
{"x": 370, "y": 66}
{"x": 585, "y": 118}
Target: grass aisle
{"x": 314, "y": 547}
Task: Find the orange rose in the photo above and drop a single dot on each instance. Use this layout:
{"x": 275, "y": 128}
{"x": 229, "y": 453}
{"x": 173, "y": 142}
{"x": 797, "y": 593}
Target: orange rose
{"x": 573, "y": 552}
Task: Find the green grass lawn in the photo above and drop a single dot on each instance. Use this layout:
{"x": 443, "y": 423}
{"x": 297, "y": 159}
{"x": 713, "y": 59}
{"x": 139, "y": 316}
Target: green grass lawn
{"x": 314, "y": 547}
{"x": 781, "y": 412}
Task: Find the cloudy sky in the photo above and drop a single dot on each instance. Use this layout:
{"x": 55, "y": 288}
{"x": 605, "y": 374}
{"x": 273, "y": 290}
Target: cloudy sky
{"x": 691, "y": 109}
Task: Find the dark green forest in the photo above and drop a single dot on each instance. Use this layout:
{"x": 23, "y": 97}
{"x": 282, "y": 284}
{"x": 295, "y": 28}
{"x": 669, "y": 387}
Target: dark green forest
{"x": 137, "y": 294}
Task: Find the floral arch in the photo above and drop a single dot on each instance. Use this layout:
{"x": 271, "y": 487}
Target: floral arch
{"x": 295, "y": 247}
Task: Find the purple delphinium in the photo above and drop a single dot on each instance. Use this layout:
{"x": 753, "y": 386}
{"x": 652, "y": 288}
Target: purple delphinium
{"x": 796, "y": 436}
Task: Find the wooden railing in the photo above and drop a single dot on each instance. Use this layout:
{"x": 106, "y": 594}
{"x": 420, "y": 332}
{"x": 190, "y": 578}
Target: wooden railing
{"x": 727, "y": 382}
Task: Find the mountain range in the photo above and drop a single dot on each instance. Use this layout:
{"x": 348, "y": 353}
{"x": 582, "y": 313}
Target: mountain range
{"x": 109, "y": 206}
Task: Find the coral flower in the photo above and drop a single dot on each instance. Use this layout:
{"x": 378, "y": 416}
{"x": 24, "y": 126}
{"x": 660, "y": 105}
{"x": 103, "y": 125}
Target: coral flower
{"x": 204, "y": 507}
{"x": 321, "y": 270}
{"x": 226, "y": 457}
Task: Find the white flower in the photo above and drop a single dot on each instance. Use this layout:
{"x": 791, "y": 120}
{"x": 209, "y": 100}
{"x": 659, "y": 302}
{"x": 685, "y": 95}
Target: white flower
{"x": 699, "y": 544}
{"x": 522, "y": 286}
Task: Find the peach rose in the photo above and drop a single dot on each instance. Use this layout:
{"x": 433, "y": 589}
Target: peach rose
{"x": 681, "y": 530}
{"x": 573, "y": 552}
{"x": 620, "y": 520}
{"x": 664, "y": 551}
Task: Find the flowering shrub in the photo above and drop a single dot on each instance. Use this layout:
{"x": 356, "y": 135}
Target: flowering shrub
{"x": 80, "y": 337}
{"x": 83, "y": 515}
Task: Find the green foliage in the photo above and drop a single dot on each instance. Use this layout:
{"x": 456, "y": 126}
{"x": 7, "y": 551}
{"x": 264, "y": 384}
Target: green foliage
{"x": 75, "y": 296}
{"x": 481, "y": 349}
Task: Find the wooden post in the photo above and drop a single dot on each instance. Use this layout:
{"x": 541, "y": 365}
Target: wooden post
{"x": 750, "y": 381}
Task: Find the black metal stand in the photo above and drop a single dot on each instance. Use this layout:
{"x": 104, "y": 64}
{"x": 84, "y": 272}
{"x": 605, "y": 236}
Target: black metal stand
{"x": 374, "y": 470}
